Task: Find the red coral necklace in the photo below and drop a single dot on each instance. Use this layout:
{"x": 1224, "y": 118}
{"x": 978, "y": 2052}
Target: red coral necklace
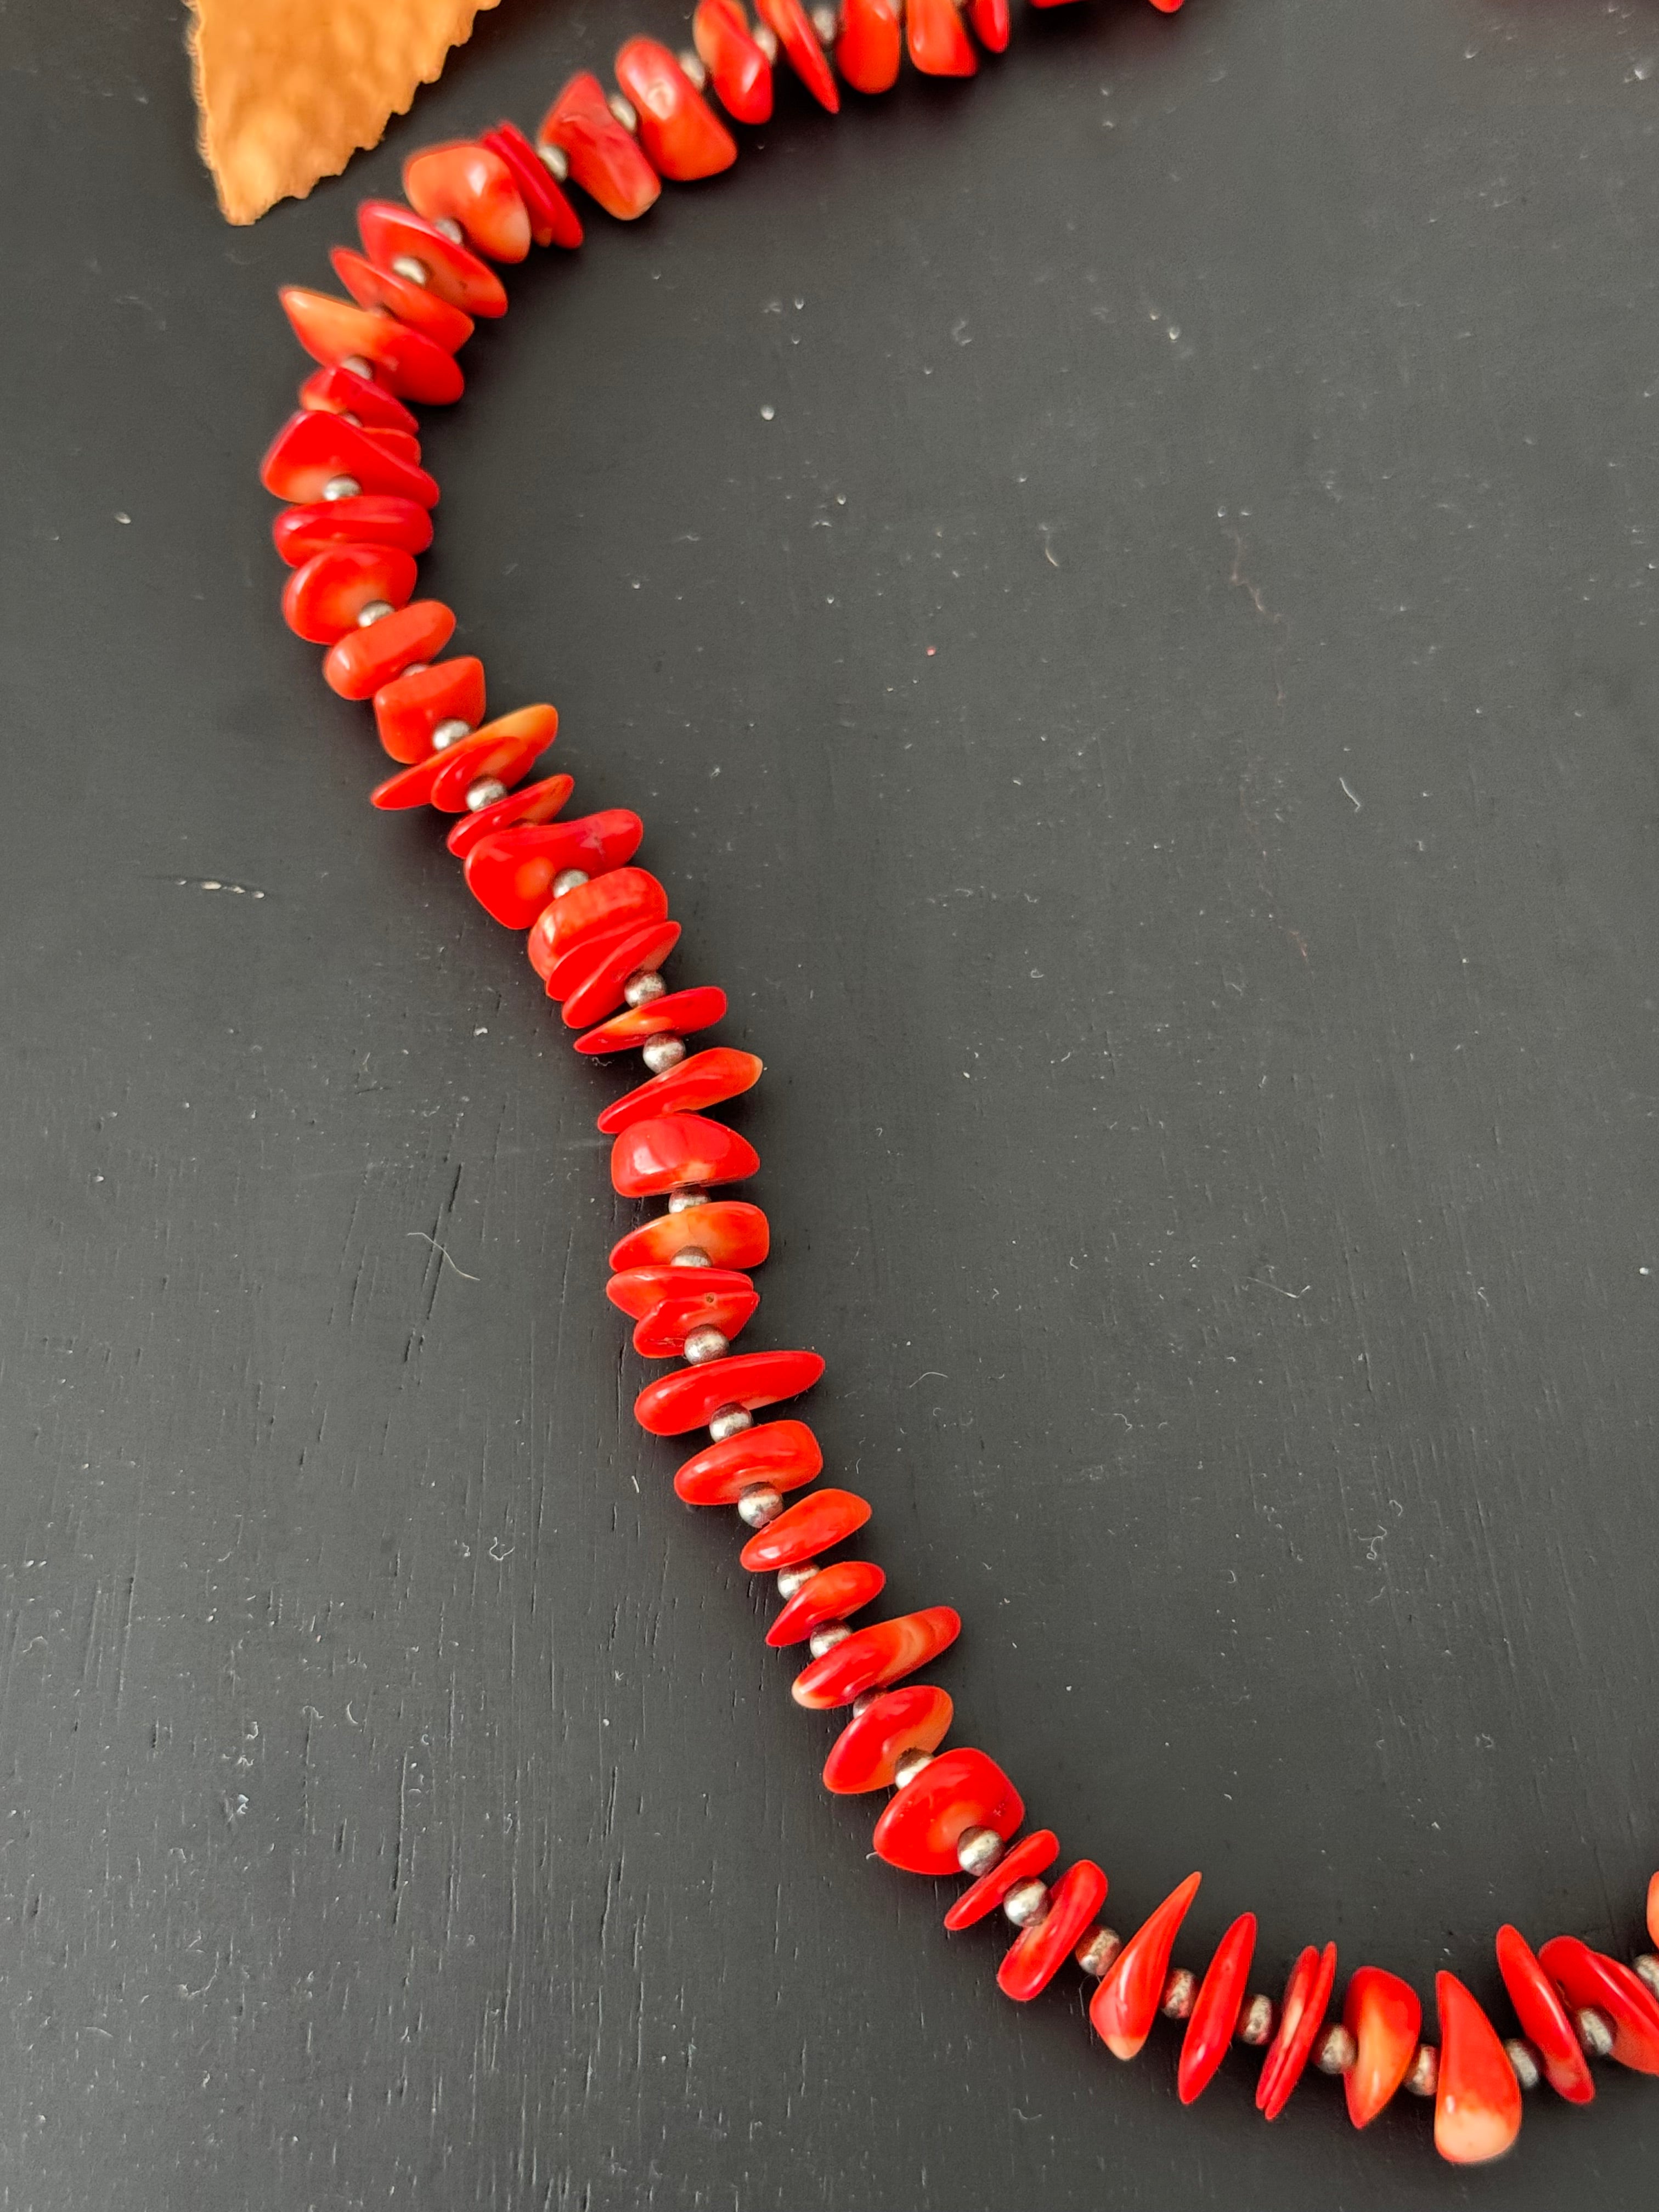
{"x": 349, "y": 463}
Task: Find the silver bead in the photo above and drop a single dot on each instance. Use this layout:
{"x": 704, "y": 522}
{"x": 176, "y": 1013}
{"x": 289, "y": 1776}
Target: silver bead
{"x": 826, "y": 22}
{"x": 791, "y": 1579}
{"x": 909, "y": 1765}
{"x": 978, "y": 1849}
{"x": 1096, "y": 1953}
{"x": 555, "y": 161}
{"x": 568, "y": 879}
{"x": 405, "y": 265}
{"x": 451, "y": 229}
{"x": 416, "y": 668}
{"x": 1524, "y": 2059}
{"x": 702, "y": 1345}
{"x": 682, "y": 1199}
{"x": 1336, "y": 2050}
{"x": 624, "y": 109}
{"x": 863, "y": 1702}
{"x": 691, "y": 1255}
{"x": 484, "y": 792}
{"x": 663, "y": 1051}
{"x": 1594, "y": 2032}
{"x": 758, "y": 1505}
{"x": 1646, "y": 1969}
{"x": 341, "y": 487}
{"x": 1256, "y": 2022}
{"x": 727, "y": 1422}
{"x": 355, "y": 421}
{"x": 691, "y": 62}
{"x": 1179, "y": 1992}
{"x": 767, "y": 40}
{"x": 358, "y": 364}
{"x": 826, "y": 1638}
{"x": 1027, "y": 1902}
{"x": 1423, "y": 2074}
{"x": 376, "y": 610}
{"x": 449, "y": 732}
{"x": 642, "y": 985}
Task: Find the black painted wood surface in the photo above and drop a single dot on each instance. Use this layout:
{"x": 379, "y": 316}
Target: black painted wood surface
{"x": 1123, "y": 591}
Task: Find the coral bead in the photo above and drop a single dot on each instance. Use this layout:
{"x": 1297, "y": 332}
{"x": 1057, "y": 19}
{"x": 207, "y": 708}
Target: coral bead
{"x": 733, "y": 1234}
{"x": 322, "y": 600}
{"x": 392, "y": 231}
{"x": 1384, "y": 2016}
{"x": 1126, "y": 2004}
{"x": 650, "y": 1158}
{"x": 871, "y": 1658}
{"x": 920, "y": 1828}
{"x": 603, "y": 159}
{"x": 1307, "y": 1993}
{"x": 1477, "y": 2104}
{"x": 358, "y": 664}
{"x": 739, "y": 71}
{"x": 683, "y": 137}
{"x": 872, "y": 38}
{"x": 342, "y": 392}
{"x": 1587, "y": 1978}
{"x": 990, "y": 20}
{"x": 939, "y": 47}
{"x": 786, "y": 1454}
{"x": 621, "y": 895}
{"x": 374, "y": 519}
{"x": 691, "y": 1396}
{"x": 789, "y": 24}
{"x": 635, "y": 1291}
{"x": 681, "y": 1011}
{"x": 1544, "y": 2019}
{"x": 661, "y": 1333}
{"x": 831, "y": 1594}
{"x": 1037, "y": 1954}
{"x": 865, "y": 1755}
{"x": 411, "y": 707}
{"x": 395, "y": 294}
{"x": 1216, "y": 2009}
{"x": 511, "y": 874}
{"x": 536, "y": 802}
{"x": 828, "y": 1517}
{"x": 334, "y": 331}
{"x": 312, "y": 449}
{"x": 707, "y": 1078}
{"x": 553, "y": 220}
{"x": 1031, "y": 1855}
{"x": 594, "y": 977}
{"x": 473, "y": 187}
{"x": 502, "y": 749}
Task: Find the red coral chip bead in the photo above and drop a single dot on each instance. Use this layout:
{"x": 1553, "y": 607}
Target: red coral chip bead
{"x": 871, "y": 1658}
{"x": 739, "y": 71}
{"x": 1544, "y": 2019}
{"x": 939, "y": 47}
{"x": 403, "y": 444}
{"x": 371, "y": 286}
{"x": 784, "y": 1454}
{"x": 473, "y": 187}
{"x": 635, "y": 1291}
{"x": 335, "y": 330}
{"x": 373, "y": 519}
{"x": 536, "y": 802}
{"x": 990, "y": 20}
{"x": 789, "y": 23}
{"x": 511, "y": 874}
{"x": 683, "y": 137}
{"x": 1031, "y": 1855}
{"x": 604, "y": 158}
{"x": 1216, "y": 2009}
{"x": 826, "y": 1518}
{"x": 342, "y": 391}
{"x": 652, "y": 1158}
{"x": 313, "y": 449}
{"x": 871, "y": 39}
{"x": 392, "y": 231}
{"x": 1477, "y": 2103}
{"x": 707, "y": 1078}
{"x": 1587, "y": 1978}
{"x": 621, "y": 895}
{"x": 681, "y": 1011}
{"x": 1037, "y": 1954}
{"x": 1124, "y": 2007}
{"x": 733, "y": 1233}
{"x": 864, "y": 1755}
{"x": 411, "y": 707}
{"x": 831, "y": 1594}
{"x": 1384, "y": 2016}
{"x": 1307, "y": 1993}
{"x": 1653, "y": 1908}
{"x": 322, "y": 600}
{"x": 920, "y": 1828}
{"x": 358, "y": 664}
{"x": 607, "y": 962}
{"x": 662, "y": 1333}
{"x": 691, "y": 1396}
{"x": 553, "y": 220}
{"x": 503, "y": 750}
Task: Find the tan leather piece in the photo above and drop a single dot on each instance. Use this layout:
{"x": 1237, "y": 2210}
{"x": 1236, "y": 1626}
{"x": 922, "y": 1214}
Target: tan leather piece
{"x": 289, "y": 90}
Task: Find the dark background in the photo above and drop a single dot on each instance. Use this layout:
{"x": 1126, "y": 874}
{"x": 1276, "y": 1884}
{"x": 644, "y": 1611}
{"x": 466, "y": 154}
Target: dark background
{"x": 1156, "y": 734}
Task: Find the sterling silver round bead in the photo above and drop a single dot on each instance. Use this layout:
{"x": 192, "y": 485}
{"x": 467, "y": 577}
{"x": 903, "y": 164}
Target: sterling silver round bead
{"x": 1097, "y": 1954}
{"x": 909, "y": 1765}
{"x": 1594, "y": 2032}
{"x": 662, "y": 1052}
{"x": 863, "y": 1702}
{"x": 758, "y": 1505}
{"x": 1335, "y": 2050}
{"x": 1179, "y": 1993}
{"x": 484, "y": 792}
{"x": 826, "y": 1638}
{"x": 642, "y": 985}
{"x": 449, "y": 732}
{"x": 1529, "y": 2072}
{"x": 359, "y": 364}
{"x": 1646, "y": 1969}
{"x": 767, "y": 40}
{"x": 826, "y": 22}
{"x": 624, "y": 109}
{"x": 1027, "y": 1902}
{"x": 687, "y": 1195}
{"x": 567, "y": 879}
{"x": 691, "y": 1255}
{"x": 1256, "y": 2022}
{"x": 791, "y": 1579}
{"x": 555, "y": 161}
{"x": 341, "y": 487}
{"x": 978, "y": 1849}
{"x": 376, "y": 610}
{"x": 703, "y": 1345}
{"x": 1423, "y": 2074}
{"x": 451, "y": 229}
{"x": 692, "y": 63}
{"x": 405, "y": 265}
{"x": 727, "y": 1422}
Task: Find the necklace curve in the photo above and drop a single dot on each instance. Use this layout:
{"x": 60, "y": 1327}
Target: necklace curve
{"x": 358, "y": 512}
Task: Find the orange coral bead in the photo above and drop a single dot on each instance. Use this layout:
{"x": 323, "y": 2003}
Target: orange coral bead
{"x": 739, "y": 71}
{"x": 867, "y": 1750}
{"x": 502, "y": 749}
{"x": 603, "y": 158}
{"x": 832, "y": 1594}
{"x": 786, "y": 1454}
{"x": 339, "y": 391}
{"x": 695, "y": 1303}
{"x": 871, "y": 39}
{"x": 650, "y": 1158}
{"x": 620, "y": 896}
{"x": 1543, "y": 2018}
{"x": 314, "y": 449}
{"x": 553, "y": 220}
{"x": 475, "y": 188}
{"x": 409, "y": 708}
{"x": 789, "y": 23}
{"x": 1477, "y": 2104}
{"x": 338, "y": 331}
{"x": 1307, "y": 1993}
{"x": 707, "y": 1078}
{"x": 733, "y": 1233}
{"x": 358, "y": 665}
{"x": 511, "y": 874}
{"x": 682, "y": 136}
{"x": 825, "y": 1518}
{"x": 691, "y": 1396}
{"x": 919, "y": 1830}
{"x": 1031, "y": 1855}
{"x": 682, "y": 1012}
{"x": 322, "y": 599}
{"x": 593, "y": 977}
{"x": 939, "y": 47}
{"x": 635, "y": 1291}
{"x": 373, "y": 519}
{"x": 1126, "y": 2004}
{"x": 990, "y": 20}
{"x": 1587, "y": 1978}
{"x": 872, "y": 1657}
{"x": 536, "y": 802}
{"x": 393, "y": 294}
{"x": 1384, "y": 2016}
{"x": 1037, "y": 1954}
{"x": 1216, "y": 2009}
{"x": 392, "y": 231}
